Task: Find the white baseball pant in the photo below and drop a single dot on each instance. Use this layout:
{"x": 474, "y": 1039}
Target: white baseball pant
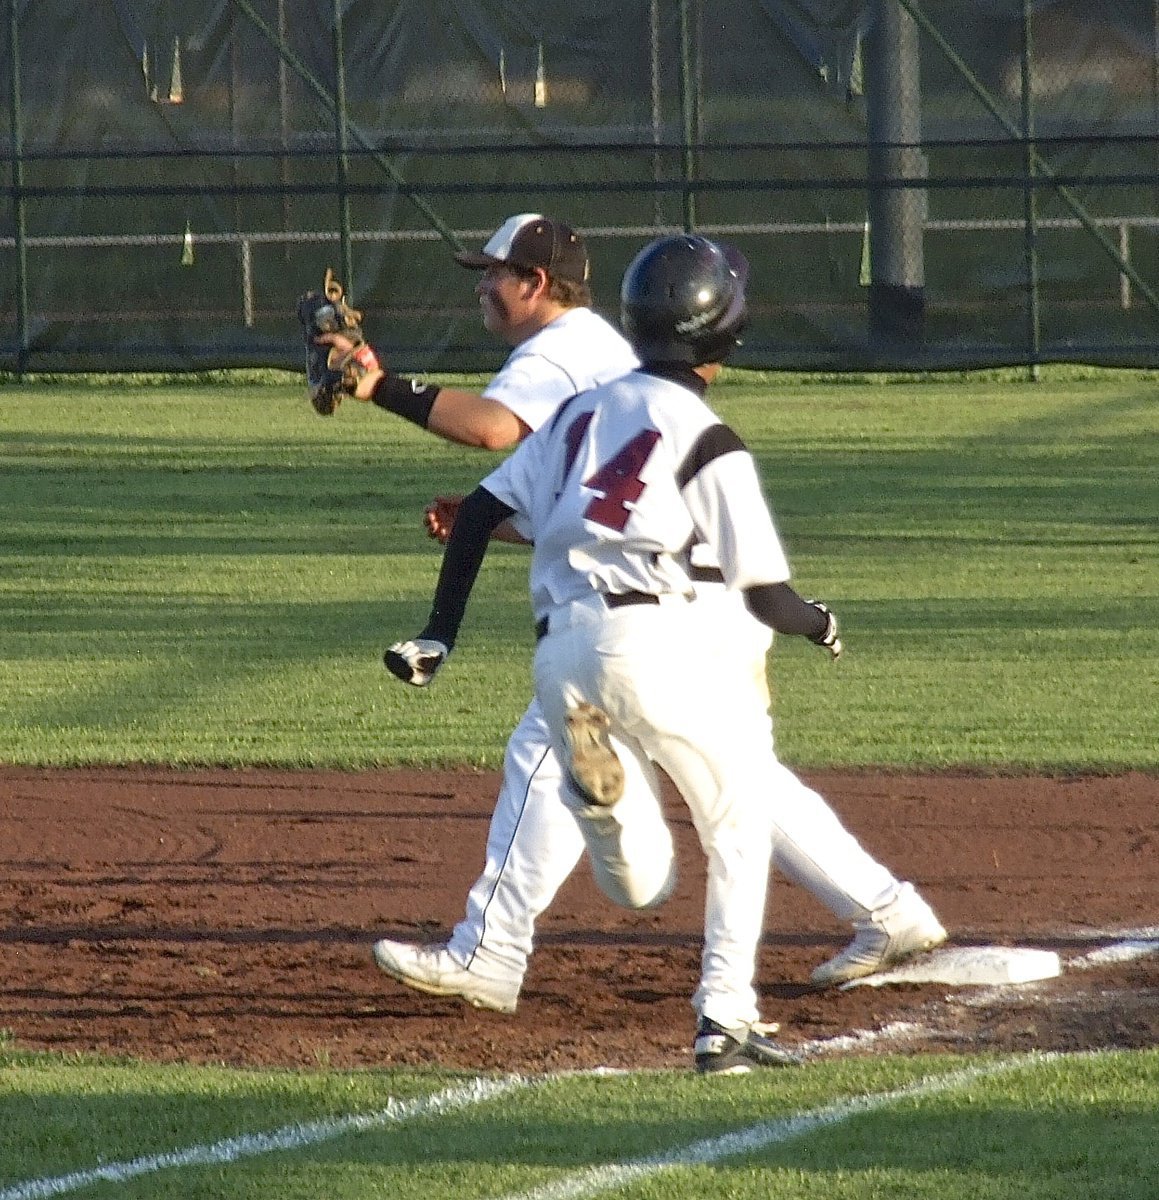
{"x": 534, "y": 843}
{"x": 649, "y": 668}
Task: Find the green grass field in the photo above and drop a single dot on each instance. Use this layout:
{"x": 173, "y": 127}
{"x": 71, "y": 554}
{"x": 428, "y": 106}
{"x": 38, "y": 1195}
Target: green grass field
{"x": 1028, "y": 1127}
{"x": 208, "y": 574}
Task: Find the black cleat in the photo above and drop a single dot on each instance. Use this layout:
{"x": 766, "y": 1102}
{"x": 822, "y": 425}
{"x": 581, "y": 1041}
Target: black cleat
{"x": 719, "y": 1052}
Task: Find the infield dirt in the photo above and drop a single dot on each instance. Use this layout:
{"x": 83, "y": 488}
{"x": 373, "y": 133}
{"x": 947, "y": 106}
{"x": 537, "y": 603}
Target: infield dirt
{"x": 227, "y": 916}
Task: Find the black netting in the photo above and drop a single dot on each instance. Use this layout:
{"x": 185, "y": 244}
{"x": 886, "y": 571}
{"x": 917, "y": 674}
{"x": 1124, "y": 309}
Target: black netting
{"x": 916, "y": 184}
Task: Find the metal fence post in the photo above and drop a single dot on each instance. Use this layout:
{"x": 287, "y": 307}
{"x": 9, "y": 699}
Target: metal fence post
{"x": 1125, "y": 251}
{"x": 690, "y": 112}
{"x": 19, "y": 202}
{"x": 896, "y": 165}
{"x": 343, "y": 162}
{"x": 284, "y": 127}
{"x": 247, "y": 283}
{"x": 1030, "y": 200}
{"x": 657, "y": 113}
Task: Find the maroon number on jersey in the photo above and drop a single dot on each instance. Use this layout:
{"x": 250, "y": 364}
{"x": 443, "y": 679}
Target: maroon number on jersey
{"x": 619, "y": 480}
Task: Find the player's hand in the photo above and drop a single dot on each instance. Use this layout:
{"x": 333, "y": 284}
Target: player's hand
{"x": 371, "y": 369}
{"x": 416, "y": 662}
{"x": 439, "y": 517}
{"x": 828, "y": 636}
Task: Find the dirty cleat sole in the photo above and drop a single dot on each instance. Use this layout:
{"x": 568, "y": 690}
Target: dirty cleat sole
{"x": 593, "y": 768}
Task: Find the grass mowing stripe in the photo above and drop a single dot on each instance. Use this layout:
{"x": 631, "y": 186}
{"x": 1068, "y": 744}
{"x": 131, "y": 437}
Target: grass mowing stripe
{"x": 207, "y": 575}
{"x": 605, "y": 1178}
{"x": 289, "y": 1137}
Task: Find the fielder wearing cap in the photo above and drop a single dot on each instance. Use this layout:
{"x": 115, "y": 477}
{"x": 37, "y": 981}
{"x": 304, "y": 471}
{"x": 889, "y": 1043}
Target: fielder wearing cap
{"x": 533, "y": 291}
{"x": 532, "y": 242}
{"x": 535, "y": 297}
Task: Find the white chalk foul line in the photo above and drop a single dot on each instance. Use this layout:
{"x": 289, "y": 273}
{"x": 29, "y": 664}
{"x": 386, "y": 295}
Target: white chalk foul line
{"x": 289, "y": 1137}
{"x": 1135, "y": 943}
{"x": 1131, "y": 944}
{"x": 608, "y": 1176}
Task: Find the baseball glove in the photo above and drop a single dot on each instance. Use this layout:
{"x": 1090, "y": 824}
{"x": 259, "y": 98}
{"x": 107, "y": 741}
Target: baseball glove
{"x": 335, "y": 364}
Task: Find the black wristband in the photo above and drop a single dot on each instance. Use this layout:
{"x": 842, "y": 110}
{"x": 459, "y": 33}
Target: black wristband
{"x": 407, "y": 398}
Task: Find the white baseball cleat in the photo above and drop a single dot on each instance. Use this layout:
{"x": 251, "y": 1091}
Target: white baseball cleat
{"x": 431, "y": 969}
{"x": 592, "y": 766}
{"x": 902, "y": 930}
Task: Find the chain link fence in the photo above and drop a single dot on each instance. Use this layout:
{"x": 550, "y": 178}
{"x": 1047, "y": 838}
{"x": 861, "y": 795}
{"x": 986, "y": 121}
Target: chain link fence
{"x": 917, "y": 185}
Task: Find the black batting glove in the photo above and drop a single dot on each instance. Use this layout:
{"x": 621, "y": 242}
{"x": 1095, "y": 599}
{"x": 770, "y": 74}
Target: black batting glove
{"x": 416, "y": 662}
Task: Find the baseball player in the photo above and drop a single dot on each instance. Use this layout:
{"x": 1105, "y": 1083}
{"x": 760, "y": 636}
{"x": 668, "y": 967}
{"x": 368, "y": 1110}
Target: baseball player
{"x": 614, "y": 493}
{"x": 533, "y": 293}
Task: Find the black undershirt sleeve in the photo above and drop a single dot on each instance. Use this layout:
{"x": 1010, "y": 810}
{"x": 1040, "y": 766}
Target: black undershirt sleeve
{"x": 475, "y": 521}
{"x": 779, "y": 607}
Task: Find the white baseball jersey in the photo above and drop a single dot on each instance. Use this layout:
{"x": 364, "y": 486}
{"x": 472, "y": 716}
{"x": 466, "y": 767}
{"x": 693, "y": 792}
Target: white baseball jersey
{"x": 624, "y": 481}
{"x": 616, "y": 491}
{"x": 577, "y": 351}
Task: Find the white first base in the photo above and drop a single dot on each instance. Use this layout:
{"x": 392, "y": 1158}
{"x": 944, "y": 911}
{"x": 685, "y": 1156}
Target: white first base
{"x": 986, "y": 965}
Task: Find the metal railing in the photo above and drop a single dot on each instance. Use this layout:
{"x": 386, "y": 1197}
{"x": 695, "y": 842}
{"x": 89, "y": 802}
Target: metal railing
{"x": 1120, "y": 226}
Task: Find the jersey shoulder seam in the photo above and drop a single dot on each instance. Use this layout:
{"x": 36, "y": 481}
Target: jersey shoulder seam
{"x": 712, "y": 443}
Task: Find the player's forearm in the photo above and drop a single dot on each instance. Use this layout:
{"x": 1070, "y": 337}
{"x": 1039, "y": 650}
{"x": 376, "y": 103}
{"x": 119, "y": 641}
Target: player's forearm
{"x": 779, "y": 607}
{"x": 475, "y": 420}
{"x": 478, "y": 516}
{"x": 468, "y": 418}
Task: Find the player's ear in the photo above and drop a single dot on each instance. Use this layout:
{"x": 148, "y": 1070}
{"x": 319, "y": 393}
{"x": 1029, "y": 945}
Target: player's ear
{"x": 538, "y": 280}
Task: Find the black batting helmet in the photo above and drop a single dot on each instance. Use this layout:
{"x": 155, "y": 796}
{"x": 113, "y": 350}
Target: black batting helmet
{"x": 683, "y": 300}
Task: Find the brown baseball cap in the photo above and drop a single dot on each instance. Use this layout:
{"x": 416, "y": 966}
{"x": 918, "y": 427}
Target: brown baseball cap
{"x": 532, "y": 240}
